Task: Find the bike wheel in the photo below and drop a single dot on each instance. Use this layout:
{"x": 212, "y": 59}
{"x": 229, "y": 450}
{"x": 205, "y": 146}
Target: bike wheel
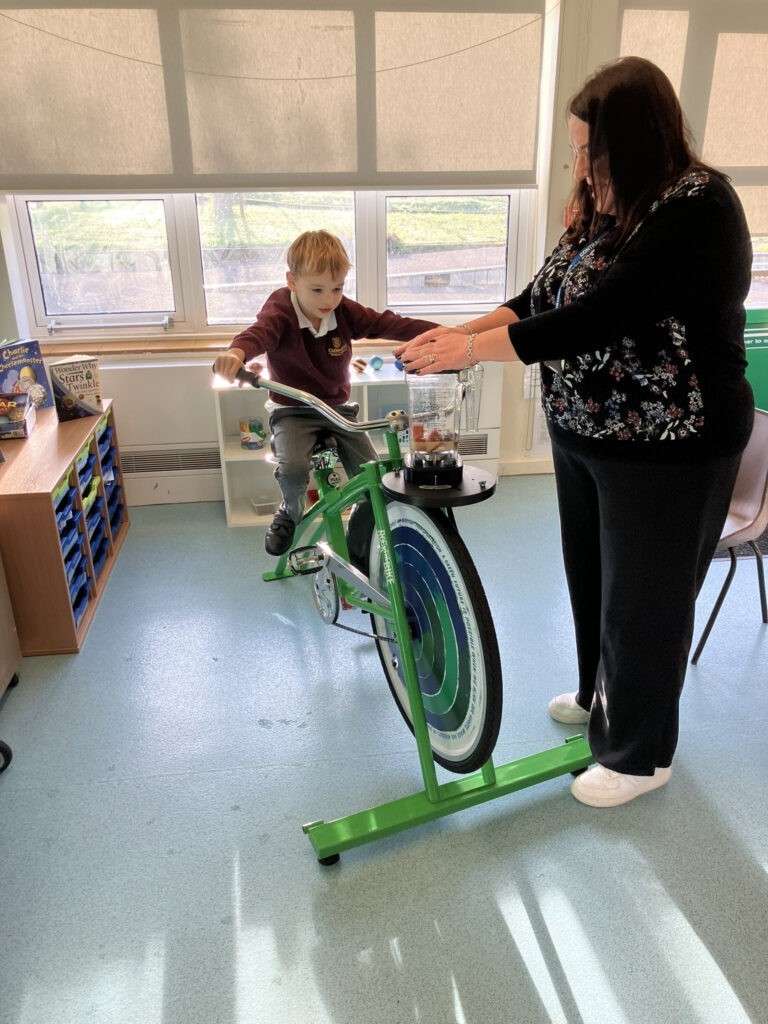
{"x": 452, "y": 634}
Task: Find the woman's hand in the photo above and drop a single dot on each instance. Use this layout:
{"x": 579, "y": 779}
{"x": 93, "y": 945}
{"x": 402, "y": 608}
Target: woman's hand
{"x": 442, "y": 348}
{"x": 431, "y": 335}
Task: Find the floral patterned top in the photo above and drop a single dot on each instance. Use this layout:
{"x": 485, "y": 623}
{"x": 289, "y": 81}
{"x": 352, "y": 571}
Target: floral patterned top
{"x": 645, "y": 343}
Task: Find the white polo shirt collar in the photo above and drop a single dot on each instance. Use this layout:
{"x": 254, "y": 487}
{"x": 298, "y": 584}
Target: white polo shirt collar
{"x": 328, "y": 324}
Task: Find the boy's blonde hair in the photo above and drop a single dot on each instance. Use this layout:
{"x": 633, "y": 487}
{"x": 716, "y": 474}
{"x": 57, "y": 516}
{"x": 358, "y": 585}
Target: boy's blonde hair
{"x": 317, "y": 252}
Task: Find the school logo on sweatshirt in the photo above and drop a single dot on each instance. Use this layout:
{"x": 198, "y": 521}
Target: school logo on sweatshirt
{"x": 337, "y": 347}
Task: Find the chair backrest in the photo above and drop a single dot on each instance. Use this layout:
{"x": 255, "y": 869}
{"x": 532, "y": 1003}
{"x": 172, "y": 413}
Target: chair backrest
{"x": 748, "y": 512}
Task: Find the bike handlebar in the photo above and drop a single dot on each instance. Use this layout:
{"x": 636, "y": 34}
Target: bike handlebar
{"x": 390, "y": 422}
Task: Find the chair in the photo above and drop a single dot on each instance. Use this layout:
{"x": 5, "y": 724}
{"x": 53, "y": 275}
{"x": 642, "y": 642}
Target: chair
{"x": 747, "y": 517}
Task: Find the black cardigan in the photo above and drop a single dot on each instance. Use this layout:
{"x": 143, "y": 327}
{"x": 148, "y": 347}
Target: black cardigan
{"x": 651, "y": 336}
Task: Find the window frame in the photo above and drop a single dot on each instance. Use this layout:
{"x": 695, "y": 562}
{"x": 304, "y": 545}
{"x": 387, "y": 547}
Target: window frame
{"x": 190, "y": 319}
{"x": 448, "y": 312}
{"x": 24, "y": 272}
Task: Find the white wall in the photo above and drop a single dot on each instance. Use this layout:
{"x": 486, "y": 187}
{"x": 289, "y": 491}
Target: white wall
{"x": 166, "y": 425}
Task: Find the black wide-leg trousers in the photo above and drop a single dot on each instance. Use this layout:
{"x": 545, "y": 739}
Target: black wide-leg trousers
{"x": 637, "y": 539}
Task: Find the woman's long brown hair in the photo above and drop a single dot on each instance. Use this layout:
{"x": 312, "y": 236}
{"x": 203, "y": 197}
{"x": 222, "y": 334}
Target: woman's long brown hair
{"x": 637, "y": 131}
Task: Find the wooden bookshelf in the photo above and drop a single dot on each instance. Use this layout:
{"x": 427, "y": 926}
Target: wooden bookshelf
{"x": 63, "y": 520}
{"x": 10, "y": 652}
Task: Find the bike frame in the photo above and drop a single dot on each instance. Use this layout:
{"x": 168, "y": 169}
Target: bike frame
{"x": 323, "y": 520}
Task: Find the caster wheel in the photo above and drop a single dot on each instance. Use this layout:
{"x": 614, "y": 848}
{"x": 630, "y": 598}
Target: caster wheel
{"x": 328, "y": 861}
{"x": 5, "y": 756}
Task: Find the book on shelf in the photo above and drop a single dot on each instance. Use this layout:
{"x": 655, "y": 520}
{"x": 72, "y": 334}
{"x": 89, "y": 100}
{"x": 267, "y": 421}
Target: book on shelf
{"x": 22, "y": 372}
{"x": 76, "y": 387}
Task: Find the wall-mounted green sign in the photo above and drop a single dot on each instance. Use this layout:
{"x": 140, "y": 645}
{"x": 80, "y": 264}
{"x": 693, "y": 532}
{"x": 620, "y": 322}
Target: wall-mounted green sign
{"x": 756, "y": 343}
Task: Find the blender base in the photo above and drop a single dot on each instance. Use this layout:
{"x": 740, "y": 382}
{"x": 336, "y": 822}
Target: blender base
{"x": 476, "y": 485}
{"x": 434, "y": 476}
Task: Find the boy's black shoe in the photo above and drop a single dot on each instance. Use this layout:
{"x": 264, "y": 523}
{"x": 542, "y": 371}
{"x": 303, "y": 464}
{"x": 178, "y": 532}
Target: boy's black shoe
{"x": 280, "y": 534}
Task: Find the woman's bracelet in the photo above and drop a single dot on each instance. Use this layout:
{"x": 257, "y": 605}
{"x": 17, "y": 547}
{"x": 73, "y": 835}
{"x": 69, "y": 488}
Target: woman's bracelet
{"x": 470, "y": 347}
{"x": 465, "y": 327}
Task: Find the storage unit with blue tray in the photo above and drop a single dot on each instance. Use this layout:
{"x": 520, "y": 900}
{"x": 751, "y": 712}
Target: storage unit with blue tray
{"x": 63, "y": 519}
{"x": 10, "y": 655}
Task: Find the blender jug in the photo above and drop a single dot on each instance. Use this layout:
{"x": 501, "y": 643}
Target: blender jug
{"x": 434, "y": 410}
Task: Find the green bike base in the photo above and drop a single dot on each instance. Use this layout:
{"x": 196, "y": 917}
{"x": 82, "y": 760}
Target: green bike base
{"x": 268, "y": 577}
{"x": 334, "y": 837}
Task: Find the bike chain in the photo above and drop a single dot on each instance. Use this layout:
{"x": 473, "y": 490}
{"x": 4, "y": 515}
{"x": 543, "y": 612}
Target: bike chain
{"x": 362, "y": 632}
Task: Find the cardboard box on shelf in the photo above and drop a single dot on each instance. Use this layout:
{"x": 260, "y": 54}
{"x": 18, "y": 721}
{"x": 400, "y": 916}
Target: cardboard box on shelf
{"x": 17, "y": 416}
{"x": 76, "y": 387}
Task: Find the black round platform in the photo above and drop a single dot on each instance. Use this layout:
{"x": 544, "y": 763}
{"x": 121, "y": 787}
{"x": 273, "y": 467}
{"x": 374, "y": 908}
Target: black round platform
{"x": 476, "y": 485}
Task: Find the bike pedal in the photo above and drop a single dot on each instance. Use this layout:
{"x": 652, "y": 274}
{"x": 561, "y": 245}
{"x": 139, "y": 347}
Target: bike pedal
{"x": 306, "y": 561}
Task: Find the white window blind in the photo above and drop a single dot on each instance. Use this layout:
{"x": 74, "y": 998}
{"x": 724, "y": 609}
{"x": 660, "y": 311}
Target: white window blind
{"x": 658, "y": 36}
{"x": 716, "y": 55}
{"x": 736, "y": 131}
{"x": 182, "y": 95}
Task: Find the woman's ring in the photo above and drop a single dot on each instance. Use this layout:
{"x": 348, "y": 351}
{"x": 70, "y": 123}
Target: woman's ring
{"x": 431, "y": 358}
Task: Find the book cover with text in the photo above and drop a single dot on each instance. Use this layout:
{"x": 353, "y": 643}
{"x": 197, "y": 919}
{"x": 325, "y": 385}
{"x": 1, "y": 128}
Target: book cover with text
{"x": 22, "y": 372}
{"x": 76, "y": 387}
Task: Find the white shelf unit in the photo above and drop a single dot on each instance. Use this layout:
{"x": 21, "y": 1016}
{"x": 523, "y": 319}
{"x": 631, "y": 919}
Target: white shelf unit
{"x": 251, "y": 494}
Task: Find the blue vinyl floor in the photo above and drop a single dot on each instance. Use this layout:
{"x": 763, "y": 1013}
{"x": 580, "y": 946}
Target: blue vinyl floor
{"x": 154, "y": 870}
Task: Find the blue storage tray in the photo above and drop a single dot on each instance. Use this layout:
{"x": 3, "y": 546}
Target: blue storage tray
{"x": 66, "y": 490}
{"x": 103, "y": 425}
{"x": 77, "y": 583}
{"x": 80, "y": 600}
{"x": 105, "y": 442}
{"x": 113, "y": 499}
{"x": 73, "y": 561}
{"x": 85, "y": 471}
{"x": 64, "y": 509}
{"x": 94, "y": 516}
{"x": 100, "y": 556}
{"x": 69, "y": 537}
{"x": 115, "y": 519}
{"x": 108, "y": 465}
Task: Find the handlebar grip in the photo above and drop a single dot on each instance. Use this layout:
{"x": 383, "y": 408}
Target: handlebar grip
{"x": 247, "y": 377}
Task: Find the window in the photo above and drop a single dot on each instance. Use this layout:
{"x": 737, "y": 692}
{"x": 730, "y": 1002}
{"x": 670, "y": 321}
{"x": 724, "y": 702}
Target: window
{"x": 90, "y": 261}
{"x": 183, "y": 264}
{"x": 447, "y": 252}
{"x": 102, "y": 256}
{"x": 243, "y": 239}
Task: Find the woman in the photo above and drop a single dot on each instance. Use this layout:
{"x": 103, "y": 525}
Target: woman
{"x": 637, "y": 317}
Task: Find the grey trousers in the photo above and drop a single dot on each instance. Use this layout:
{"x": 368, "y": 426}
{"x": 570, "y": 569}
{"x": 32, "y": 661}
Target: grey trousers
{"x": 295, "y": 433}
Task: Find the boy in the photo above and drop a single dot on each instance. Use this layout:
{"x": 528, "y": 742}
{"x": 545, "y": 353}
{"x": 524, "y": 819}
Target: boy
{"x": 306, "y": 331}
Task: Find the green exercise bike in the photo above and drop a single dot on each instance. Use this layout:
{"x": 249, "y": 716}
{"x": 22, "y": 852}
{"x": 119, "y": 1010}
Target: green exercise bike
{"x": 429, "y": 615}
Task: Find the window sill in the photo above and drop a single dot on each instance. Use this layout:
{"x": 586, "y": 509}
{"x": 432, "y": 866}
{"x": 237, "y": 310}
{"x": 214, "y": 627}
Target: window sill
{"x": 138, "y": 346}
{"x": 170, "y": 346}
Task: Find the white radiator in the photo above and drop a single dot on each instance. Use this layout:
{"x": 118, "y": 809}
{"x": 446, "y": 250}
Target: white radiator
{"x": 166, "y": 426}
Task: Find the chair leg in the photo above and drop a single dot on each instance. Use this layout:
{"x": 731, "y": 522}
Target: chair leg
{"x": 716, "y": 609}
{"x": 760, "y": 579}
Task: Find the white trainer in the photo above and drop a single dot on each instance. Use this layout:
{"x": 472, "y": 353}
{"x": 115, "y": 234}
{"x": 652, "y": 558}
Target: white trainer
{"x": 565, "y": 709}
{"x": 601, "y": 787}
